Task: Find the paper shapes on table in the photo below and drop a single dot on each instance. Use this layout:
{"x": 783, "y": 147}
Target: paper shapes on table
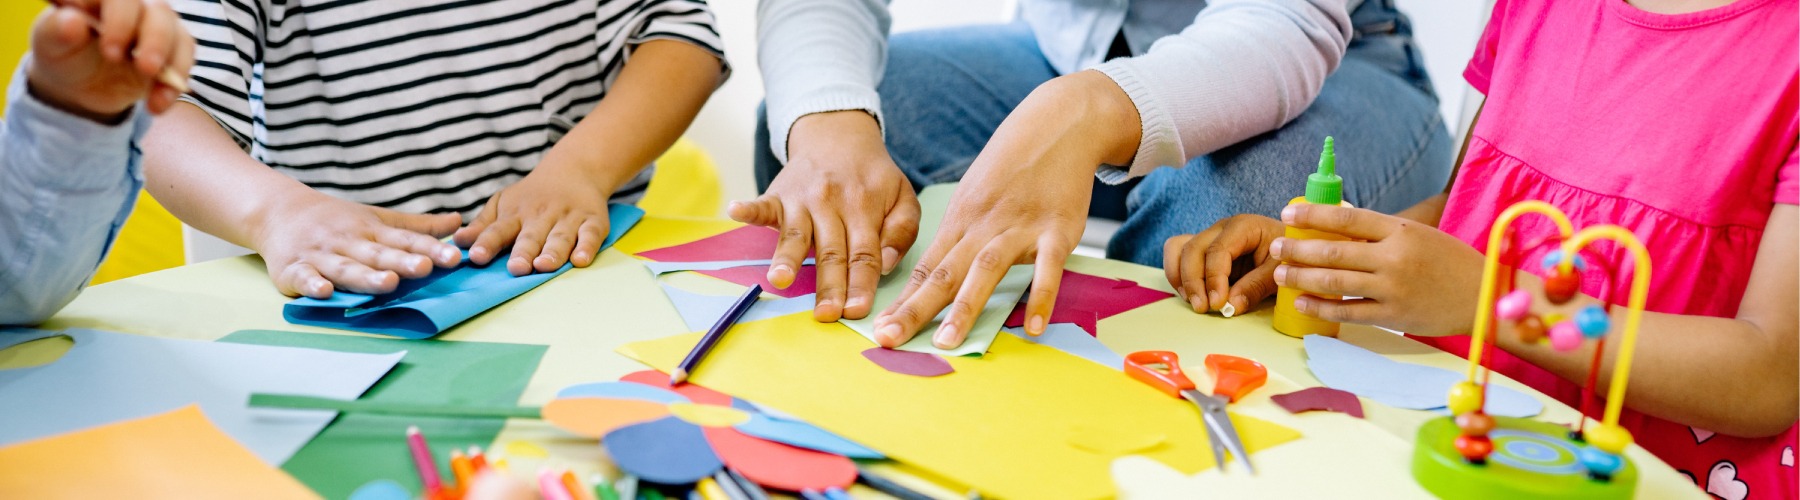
{"x": 381, "y": 489}
{"x": 917, "y": 364}
{"x": 1085, "y": 299}
{"x": 109, "y": 377}
{"x": 172, "y": 455}
{"x": 682, "y": 434}
{"x": 1070, "y": 338}
{"x": 1319, "y": 398}
{"x": 932, "y": 203}
{"x": 1341, "y": 365}
{"x": 739, "y": 256}
{"x": 699, "y": 311}
{"x": 425, "y": 307}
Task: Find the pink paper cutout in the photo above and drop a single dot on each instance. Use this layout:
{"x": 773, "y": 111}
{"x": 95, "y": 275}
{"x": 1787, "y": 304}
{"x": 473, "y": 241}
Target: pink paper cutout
{"x": 1085, "y": 299}
{"x": 744, "y": 243}
{"x": 1320, "y": 398}
{"x": 909, "y": 363}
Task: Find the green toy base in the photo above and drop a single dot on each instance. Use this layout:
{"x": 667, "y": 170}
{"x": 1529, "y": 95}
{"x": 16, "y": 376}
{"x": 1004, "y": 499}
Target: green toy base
{"x": 1531, "y": 459}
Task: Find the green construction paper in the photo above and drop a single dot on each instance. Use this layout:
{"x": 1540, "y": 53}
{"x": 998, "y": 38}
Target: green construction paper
{"x": 933, "y": 201}
{"x": 361, "y": 447}
{"x": 383, "y": 408}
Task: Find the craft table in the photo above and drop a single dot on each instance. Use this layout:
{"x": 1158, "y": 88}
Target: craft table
{"x": 587, "y": 313}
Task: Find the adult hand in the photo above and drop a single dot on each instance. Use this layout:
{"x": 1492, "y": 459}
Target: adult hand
{"x": 1410, "y": 277}
{"x": 89, "y": 74}
{"x": 555, "y": 214}
{"x": 1024, "y": 200}
{"x": 1226, "y": 267}
{"x": 842, "y": 195}
{"x": 319, "y": 243}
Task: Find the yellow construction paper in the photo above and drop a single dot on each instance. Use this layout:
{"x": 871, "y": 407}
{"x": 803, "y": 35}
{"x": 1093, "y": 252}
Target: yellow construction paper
{"x": 659, "y": 232}
{"x": 709, "y": 415}
{"x": 1001, "y": 424}
{"x": 175, "y": 455}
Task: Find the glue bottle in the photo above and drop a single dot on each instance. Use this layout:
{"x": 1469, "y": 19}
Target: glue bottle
{"x": 1322, "y": 188}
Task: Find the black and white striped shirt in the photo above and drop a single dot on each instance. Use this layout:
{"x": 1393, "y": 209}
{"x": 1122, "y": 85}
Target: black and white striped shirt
{"x": 418, "y": 105}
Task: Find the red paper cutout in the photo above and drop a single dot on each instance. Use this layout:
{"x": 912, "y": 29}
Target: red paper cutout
{"x": 780, "y": 466}
{"x": 693, "y": 392}
{"x": 1085, "y": 299}
{"x": 1320, "y": 398}
{"x": 909, "y": 363}
{"x": 744, "y": 243}
{"x": 805, "y": 280}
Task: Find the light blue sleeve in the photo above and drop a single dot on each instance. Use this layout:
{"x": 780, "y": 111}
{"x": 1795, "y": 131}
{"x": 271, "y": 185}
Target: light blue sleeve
{"x": 66, "y": 185}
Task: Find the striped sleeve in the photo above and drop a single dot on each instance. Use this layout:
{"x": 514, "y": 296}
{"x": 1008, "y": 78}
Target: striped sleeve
{"x": 225, "y": 55}
{"x": 689, "y": 21}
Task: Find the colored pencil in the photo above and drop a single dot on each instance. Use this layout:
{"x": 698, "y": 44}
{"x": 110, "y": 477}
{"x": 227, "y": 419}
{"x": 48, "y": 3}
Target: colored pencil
{"x": 837, "y": 494}
{"x": 477, "y": 460}
{"x": 168, "y": 77}
{"x": 628, "y": 487}
{"x": 751, "y": 489}
{"x": 729, "y": 486}
{"x": 887, "y": 486}
{"x": 421, "y": 453}
{"x": 577, "y": 491}
{"x": 550, "y": 485}
{"x": 710, "y": 490}
{"x": 813, "y": 495}
{"x": 713, "y": 335}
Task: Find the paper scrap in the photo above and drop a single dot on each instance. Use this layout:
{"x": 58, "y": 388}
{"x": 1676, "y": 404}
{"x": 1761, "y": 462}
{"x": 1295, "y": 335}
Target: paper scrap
{"x": 109, "y": 377}
{"x": 660, "y": 268}
{"x": 932, "y": 203}
{"x": 665, "y": 231}
{"x": 747, "y": 243}
{"x": 700, "y": 311}
{"x": 917, "y": 364}
{"x": 1345, "y": 366}
{"x": 1072, "y": 339}
{"x": 1114, "y": 439}
{"x": 1085, "y": 299}
{"x": 779, "y": 466}
{"x": 665, "y": 450}
{"x": 592, "y": 417}
{"x": 173, "y": 455}
{"x": 814, "y": 371}
{"x": 1319, "y": 398}
{"x": 804, "y": 435}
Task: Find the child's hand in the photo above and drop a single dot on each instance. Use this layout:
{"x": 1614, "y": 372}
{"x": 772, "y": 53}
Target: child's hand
{"x": 320, "y": 243}
{"x": 1411, "y": 277}
{"x": 553, "y": 215}
{"x": 1227, "y": 266}
{"x": 99, "y": 76}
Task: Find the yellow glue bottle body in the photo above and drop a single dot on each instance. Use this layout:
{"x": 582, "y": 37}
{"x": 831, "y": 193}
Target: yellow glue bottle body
{"x": 1325, "y": 188}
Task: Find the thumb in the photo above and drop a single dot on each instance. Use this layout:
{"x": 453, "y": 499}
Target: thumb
{"x": 763, "y": 211}
{"x": 436, "y": 225}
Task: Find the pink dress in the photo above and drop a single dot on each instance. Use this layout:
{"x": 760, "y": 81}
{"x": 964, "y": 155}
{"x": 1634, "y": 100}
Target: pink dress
{"x": 1681, "y": 128}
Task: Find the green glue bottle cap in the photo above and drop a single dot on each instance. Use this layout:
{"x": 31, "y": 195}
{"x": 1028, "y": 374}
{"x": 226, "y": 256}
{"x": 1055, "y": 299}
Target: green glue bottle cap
{"x": 1325, "y": 187}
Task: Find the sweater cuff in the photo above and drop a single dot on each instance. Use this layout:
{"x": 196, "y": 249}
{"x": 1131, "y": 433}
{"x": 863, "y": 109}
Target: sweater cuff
{"x": 781, "y": 120}
{"x": 1161, "y": 142}
{"x": 85, "y": 154}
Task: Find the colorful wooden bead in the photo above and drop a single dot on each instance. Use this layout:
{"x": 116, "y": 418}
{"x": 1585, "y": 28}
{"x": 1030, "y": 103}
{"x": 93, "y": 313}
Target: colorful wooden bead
{"x": 1475, "y": 423}
{"x": 1560, "y": 286}
{"x": 1531, "y": 330}
{"x": 1600, "y": 463}
{"x": 1609, "y": 438}
{"x": 1554, "y": 257}
{"x": 1474, "y": 448}
{"x": 1513, "y": 306}
{"x": 1565, "y": 336}
{"x": 1593, "y": 321}
{"x": 1465, "y": 397}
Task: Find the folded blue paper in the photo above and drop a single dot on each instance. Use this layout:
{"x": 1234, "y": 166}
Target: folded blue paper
{"x": 1345, "y": 366}
{"x": 427, "y": 306}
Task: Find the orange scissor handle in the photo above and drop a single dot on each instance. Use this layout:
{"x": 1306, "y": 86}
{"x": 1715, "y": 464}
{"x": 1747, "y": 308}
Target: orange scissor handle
{"x": 1169, "y": 379}
{"x": 1233, "y": 376}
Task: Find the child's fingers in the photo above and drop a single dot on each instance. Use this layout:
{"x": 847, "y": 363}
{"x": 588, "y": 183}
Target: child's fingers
{"x": 387, "y": 258}
{"x": 557, "y": 245}
{"x": 349, "y": 275}
{"x": 1252, "y": 288}
{"x": 156, "y": 38}
{"x": 299, "y": 279}
{"x": 1356, "y": 223}
{"x": 119, "y": 20}
{"x": 494, "y": 237}
{"x": 1360, "y": 311}
{"x": 468, "y": 235}
{"x": 528, "y": 244}
{"x": 1351, "y": 255}
{"x": 441, "y": 254}
{"x": 1172, "y": 261}
{"x": 1046, "y": 280}
{"x": 1324, "y": 281}
{"x": 796, "y": 239}
{"x": 1193, "y": 270}
{"x": 589, "y": 237}
{"x": 1235, "y": 240}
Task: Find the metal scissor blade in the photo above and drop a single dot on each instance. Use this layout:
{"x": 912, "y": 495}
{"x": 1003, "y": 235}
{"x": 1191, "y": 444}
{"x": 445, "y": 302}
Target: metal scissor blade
{"x": 1219, "y": 428}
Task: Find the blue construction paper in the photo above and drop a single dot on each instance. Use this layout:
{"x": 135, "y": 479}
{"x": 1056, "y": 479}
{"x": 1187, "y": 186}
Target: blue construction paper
{"x": 1341, "y": 365}
{"x": 1073, "y": 339}
{"x": 700, "y": 311}
{"x": 667, "y": 450}
{"x": 804, "y": 435}
{"x": 660, "y": 268}
{"x": 427, "y": 306}
{"x": 381, "y": 489}
{"x": 621, "y": 390}
{"x": 110, "y": 377}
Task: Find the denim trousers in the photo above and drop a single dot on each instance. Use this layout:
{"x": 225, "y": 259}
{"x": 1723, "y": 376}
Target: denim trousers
{"x": 945, "y": 91}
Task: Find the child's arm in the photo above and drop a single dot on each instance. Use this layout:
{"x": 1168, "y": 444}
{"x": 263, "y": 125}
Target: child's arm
{"x": 557, "y": 213}
{"x": 1738, "y": 376}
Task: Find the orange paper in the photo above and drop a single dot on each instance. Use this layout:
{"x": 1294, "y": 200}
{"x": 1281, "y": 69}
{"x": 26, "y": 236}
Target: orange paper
{"x": 174, "y": 455}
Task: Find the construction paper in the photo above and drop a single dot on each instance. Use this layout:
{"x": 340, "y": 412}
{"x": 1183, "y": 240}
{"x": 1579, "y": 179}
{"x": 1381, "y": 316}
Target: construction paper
{"x": 779, "y": 466}
{"x": 381, "y": 489}
{"x": 358, "y": 447}
{"x": 1115, "y": 439}
{"x": 425, "y": 307}
{"x": 173, "y": 455}
{"x": 693, "y": 392}
{"x": 932, "y": 203}
{"x": 1084, "y": 299}
{"x": 1074, "y": 340}
{"x": 700, "y": 311}
{"x": 1319, "y": 398}
{"x": 709, "y": 415}
{"x": 666, "y": 231}
{"x": 1341, "y": 365}
{"x": 592, "y": 417}
{"x": 525, "y": 449}
{"x": 386, "y": 408}
{"x": 659, "y": 268}
{"x": 806, "y": 280}
{"x": 804, "y": 435}
{"x": 917, "y": 364}
{"x": 620, "y": 390}
{"x": 665, "y": 450}
{"x": 747, "y": 243}
{"x": 999, "y": 426}
{"x": 109, "y": 377}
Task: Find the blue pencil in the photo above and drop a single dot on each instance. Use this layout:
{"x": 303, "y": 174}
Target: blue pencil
{"x": 713, "y": 335}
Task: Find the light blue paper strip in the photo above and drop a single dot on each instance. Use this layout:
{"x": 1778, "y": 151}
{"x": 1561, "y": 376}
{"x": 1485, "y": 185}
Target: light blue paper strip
{"x": 660, "y": 268}
{"x": 621, "y": 390}
{"x": 1341, "y": 365}
{"x": 427, "y": 306}
{"x": 110, "y": 377}
{"x": 700, "y": 311}
{"x": 1070, "y": 338}
{"x": 804, "y": 435}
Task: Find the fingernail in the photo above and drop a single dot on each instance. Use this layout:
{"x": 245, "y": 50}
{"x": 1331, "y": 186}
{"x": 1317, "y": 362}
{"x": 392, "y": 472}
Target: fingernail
{"x": 1287, "y": 214}
{"x": 889, "y": 258}
{"x": 1281, "y": 274}
{"x": 781, "y": 276}
{"x": 1211, "y": 297}
{"x": 855, "y": 302}
{"x": 946, "y": 336}
{"x": 478, "y": 254}
{"x": 1229, "y": 310}
{"x": 448, "y": 255}
{"x": 888, "y": 332}
{"x": 579, "y": 256}
{"x": 375, "y": 279}
{"x": 1198, "y": 301}
{"x": 1275, "y": 247}
{"x": 1035, "y": 325}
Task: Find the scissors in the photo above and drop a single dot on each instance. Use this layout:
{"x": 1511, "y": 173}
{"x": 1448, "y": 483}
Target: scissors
{"x": 1232, "y": 376}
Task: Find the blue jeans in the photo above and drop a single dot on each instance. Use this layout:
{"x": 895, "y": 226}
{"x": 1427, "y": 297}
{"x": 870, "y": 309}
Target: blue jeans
{"x": 946, "y": 90}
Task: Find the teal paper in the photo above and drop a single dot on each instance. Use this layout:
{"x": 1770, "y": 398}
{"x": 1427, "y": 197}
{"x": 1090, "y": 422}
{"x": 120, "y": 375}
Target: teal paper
{"x": 700, "y": 311}
{"x": 427, "y": 306}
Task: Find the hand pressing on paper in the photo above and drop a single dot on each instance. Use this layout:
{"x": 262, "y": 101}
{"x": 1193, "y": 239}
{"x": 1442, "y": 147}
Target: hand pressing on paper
{"x": 554, "y": 215}
{"x": 842, "y": 195}
{"x": 101, "y": 75}
{"x": 319, "y": 244}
